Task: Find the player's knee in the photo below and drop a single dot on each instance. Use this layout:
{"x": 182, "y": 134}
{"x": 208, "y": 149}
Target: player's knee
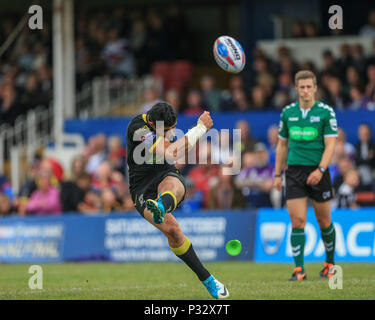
{"x": 298, "y": 223}
{"x": 172, "y": 230}
{"x": 323, "y": 222}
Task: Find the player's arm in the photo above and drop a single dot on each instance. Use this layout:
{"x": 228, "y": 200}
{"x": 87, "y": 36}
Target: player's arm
{"x": 280, "y": 162}
{"x": 330, "y": 135}
{"x": 282, "y": 148}
{"x": 175, "y": 150}
{"x": 329, "y": 149}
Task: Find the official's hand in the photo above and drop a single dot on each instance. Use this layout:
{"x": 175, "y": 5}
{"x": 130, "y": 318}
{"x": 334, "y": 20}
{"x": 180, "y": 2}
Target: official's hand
{"x": 277, "y": 183}
{"x": 206, "y": 120}
{"x": 314, "y": 177}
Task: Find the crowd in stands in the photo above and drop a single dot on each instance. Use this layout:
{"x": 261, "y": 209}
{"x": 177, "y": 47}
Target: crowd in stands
{"x": 25, "y": 71}
{"x": 97, "y": 180}
{"x": 125, "y": 45}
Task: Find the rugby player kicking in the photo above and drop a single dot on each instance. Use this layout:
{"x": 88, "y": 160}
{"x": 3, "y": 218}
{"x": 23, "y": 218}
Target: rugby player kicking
{"x": 307, "y": 137}
{"x": 157, "y": 187}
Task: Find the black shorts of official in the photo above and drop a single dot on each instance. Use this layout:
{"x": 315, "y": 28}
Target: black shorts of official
{"x": 296, "y": 187}
{"x": 148, "y": 188}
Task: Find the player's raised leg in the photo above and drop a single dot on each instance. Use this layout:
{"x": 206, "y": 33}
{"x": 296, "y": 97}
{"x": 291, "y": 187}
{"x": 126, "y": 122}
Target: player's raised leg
{"x": 297, "y": 211}
{"x": 323, "y": 216}
{"x": 171, "y": 192}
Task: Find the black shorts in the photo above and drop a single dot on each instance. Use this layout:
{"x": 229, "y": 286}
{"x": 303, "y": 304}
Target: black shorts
{"x": 148, "y": 188}
{"x": 296, "y": 187}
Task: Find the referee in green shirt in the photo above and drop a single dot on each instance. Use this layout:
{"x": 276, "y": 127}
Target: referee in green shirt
{"x": 307, "y": 137}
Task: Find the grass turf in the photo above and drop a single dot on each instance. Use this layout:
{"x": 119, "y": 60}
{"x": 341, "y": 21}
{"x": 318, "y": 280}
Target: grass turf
{"x": 174, "y": 281}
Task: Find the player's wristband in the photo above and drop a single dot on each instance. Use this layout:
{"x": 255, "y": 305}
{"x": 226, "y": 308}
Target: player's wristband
{"x": 277, "y": 175}
{"x": 194, "y": 134}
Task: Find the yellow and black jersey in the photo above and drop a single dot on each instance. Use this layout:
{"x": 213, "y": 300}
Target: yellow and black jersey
{"x": 141, "y": 140}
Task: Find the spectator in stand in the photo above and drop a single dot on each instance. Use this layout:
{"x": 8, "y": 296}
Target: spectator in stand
{"x": 272, "y": 137}
{"x": 371, "y": 103}
{"x": 258, "y": 179}
{"x": 194, "y": 103}
{"x": 225, "y": 194}
{"x": 346, "y": 194}
{"x": 335, "y": 96}
{"x": 359, "y": 60}
{"x": 97, "y": 147}
{"x": 211, "y": 95}
{"x": 40, "y": 56}
{"x": 258, "y": 99}
{"x": 44, "y": 74}
{"x": 235, "y": 83}
{"x": 204, "y": 175}
{"x": 345, "y": 59}
{"x": 117, "y": 154}
{"x": 117, "y": 56}
{"x": 359, "y": 99}
{"x": 343, "y": 165}
{"x": 365, "y": 155}
{"x": 91, "y": 203}
{"x": 348, "y": 147}
{"x": 77, "y": 167}
{"x": 311, "y": 29}
{"x": 109, "y": 201}
{"x": 368, "y": 30}
{"x": 280, "y": 100}
{"x": 176, "y": 25}
{"x": 172, "y": 96}
{"x": 239, "y": 101}
{"x": 26, "y": 57}
{"x": 32, "y": 95}
{"x": 247, "y": 142}
{"x": 297, "y": 29}
{"x": 371, "y": 56}
{"x": 222, "y": 150}
{"x": 9, "y": 105}
{"x": 5, "y": 187}
{"x": 151, "y": 97}
{"x": 46, "y": 199}
{"x": 6, "y": 207}
{"x": 158, "y": 46}
{"x": 103, "y": 177}
{"x": 370, "y": 87}
{"x": 138, "y": 43}
{"x": 286, "y": 84}
{"x": 73, "y": 192}
{"x": 329, "y": 63}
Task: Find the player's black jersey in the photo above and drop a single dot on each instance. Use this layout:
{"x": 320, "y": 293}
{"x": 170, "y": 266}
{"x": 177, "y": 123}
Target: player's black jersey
{"x": 141, "y": 140}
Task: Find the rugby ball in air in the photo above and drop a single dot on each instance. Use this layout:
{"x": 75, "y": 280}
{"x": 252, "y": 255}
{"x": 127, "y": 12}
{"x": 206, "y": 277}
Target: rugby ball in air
{"x": 229, "y": 54}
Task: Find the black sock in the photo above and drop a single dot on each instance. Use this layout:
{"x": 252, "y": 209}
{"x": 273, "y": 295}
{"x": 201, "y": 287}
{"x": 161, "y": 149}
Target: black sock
{"x": 187, "y": 254}
{"x": 169, "y": 201}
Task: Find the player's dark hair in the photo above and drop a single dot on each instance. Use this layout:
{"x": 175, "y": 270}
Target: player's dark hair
{"x": 163, "y": 111}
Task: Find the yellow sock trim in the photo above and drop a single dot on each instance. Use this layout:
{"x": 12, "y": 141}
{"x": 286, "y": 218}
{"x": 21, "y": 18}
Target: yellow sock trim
{"x": 174, "y": 198}
{"x": 183, "y": 248}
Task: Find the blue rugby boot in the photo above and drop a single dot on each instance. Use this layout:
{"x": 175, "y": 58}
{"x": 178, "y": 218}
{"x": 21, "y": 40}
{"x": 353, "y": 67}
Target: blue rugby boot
{"x": 157, "y": 209}
{"x": 216, "y": 288}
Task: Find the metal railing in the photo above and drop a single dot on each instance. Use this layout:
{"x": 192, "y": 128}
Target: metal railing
{"x": 101, "y": 96}
{"x": 21, "y": 141}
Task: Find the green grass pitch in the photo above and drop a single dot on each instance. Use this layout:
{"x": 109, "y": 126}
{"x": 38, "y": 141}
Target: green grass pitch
{"x": 174, "y": 281}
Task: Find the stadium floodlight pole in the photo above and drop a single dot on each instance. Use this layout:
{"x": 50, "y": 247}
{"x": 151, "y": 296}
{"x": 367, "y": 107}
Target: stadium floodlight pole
{"x": 58, "y": 72}
{"x": 63, "y": 66}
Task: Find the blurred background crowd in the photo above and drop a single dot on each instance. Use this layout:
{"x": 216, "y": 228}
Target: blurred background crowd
{"x": 97, "y": 179}
{"x": 125, "y": 44}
